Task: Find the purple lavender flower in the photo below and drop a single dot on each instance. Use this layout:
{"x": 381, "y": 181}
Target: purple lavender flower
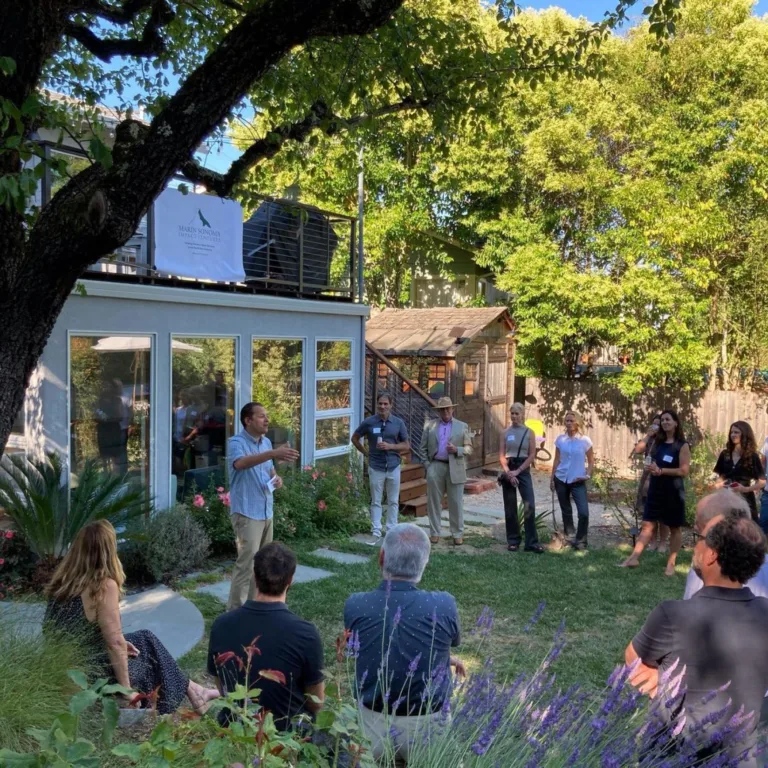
{"x": 414, "y": 665}
{"x": 394, "y": 734}
{"x": 536, "y": 616}
{"x": 398, "y": 615}
{"x": 353, "y": 645}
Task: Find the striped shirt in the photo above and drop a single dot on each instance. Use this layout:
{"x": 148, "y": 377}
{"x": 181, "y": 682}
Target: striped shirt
{"x": 248, "y": 492}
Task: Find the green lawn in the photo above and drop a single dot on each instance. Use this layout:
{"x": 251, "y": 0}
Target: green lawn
{"x": 603, "y": 605}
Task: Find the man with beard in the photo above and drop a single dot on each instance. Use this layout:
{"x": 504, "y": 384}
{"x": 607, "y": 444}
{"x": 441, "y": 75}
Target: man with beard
{"x": 716, "y": 641}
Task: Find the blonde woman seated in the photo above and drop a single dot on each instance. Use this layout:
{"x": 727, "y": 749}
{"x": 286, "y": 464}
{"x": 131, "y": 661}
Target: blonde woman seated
{"x": 83, "y": 599}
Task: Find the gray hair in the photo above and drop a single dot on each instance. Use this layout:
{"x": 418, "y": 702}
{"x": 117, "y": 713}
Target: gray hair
{"x": 722, "y": 502}
{"x": 383, "y": 394}
{"x": 406, "y": 552}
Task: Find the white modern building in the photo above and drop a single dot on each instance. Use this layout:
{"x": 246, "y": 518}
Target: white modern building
{"x": 156, "y": 352}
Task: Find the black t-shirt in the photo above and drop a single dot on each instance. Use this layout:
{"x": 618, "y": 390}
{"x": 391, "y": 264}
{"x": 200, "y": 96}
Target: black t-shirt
{"x": 744, "y": 471}
{"x": 287, "y": 643}
{"x": 720, "y": 635}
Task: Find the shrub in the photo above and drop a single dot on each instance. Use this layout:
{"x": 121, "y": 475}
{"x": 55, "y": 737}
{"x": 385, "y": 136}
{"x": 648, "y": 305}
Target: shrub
{"x": 325, "y": 498}
{"x": 170, "y": 545}
{"x": 704, "y": 453}
{"x": 34, "y": 686}
{"x": 50, "y": 516}
{"x": 211, "y": 510}
{"x": 17, "y": 562}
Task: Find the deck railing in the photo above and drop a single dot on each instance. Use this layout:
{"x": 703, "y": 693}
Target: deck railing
{"x": 409, "y": 402}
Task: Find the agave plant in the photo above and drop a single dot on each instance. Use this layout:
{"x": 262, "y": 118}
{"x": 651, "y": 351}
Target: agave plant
{"x": 43, "y": 509}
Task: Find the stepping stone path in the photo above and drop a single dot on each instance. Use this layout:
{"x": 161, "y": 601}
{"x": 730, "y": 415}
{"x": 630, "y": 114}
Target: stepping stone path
{"x": 345, "y": 558}
{"x": 175, "y": 620}
{"x": 304, "y": 574}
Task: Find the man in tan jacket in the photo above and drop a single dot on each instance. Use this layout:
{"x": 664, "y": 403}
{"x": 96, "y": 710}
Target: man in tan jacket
{"x": 444, "y": 444}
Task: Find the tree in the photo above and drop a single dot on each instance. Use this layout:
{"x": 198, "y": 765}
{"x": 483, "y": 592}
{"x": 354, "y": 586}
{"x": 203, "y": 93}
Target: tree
{"x": 297, "y": 62}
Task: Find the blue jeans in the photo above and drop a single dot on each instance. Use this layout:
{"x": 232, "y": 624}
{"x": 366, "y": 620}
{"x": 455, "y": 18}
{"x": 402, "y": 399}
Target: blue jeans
{"x": 764, "y": 513}
{"x": 578, "y": 492}
{"x": 509, "y": 491}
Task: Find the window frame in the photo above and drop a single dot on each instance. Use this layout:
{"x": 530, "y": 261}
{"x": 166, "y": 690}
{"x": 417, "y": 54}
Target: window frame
{"x": 238, "y": 399}
{"x": 429, "y": 378}
{"x": 475, "y": 381}
{"x": 319, "y": 415}
{"x": 153, "y": 406}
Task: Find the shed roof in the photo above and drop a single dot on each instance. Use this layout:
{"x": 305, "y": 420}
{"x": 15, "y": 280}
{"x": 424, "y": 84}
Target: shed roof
{"x": 429, "y": 331}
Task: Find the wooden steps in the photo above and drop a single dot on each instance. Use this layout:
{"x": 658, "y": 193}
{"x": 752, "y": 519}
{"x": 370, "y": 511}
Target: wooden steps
{"x": 413, "y": 490}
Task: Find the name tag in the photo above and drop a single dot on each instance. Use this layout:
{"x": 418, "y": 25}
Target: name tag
{"x": 510, "y": 438}
{"x": 667, "y": 459}
{"x": 376, "y": 430}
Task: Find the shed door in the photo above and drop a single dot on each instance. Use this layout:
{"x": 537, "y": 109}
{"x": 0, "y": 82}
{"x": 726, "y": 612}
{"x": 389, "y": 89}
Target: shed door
{"x": 495, "y": 408}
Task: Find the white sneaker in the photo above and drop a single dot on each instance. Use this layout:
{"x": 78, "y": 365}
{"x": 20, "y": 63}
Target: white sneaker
{"x": 375, "y": 540}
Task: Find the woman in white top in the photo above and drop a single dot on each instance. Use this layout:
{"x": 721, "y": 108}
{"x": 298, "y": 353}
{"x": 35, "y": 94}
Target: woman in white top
{"x": 573, "y": 466}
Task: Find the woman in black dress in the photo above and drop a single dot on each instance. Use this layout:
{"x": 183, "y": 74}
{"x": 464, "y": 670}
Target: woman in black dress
{"x": 739, "y": 467}
{"x": 665, "y": 503}
{"x": 83, "y": 599}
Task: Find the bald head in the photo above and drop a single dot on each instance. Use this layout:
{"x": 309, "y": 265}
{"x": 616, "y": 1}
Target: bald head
{"x": 722, "y": 503}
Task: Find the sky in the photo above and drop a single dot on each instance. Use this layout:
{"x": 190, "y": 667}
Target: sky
{"x": 594, "y": 10}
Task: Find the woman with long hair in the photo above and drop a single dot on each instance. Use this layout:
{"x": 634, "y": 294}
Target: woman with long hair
{"x": 739, "y": 467}
{"x": 646, "y": 447}
{"x": 517, "y": 451}
{"x": 665, "y": 504}
{"x": 573, "y": 465}
{"x": 83, "y": 598}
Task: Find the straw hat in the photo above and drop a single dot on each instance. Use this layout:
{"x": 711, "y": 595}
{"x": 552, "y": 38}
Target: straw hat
{"x": 445, "y": 402}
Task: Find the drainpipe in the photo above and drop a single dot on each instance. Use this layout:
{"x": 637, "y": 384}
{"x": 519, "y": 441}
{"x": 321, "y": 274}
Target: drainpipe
{"x": 360, "y": 198}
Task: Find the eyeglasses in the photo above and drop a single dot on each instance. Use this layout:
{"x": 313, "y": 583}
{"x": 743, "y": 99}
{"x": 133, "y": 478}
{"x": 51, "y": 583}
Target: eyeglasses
{"x": 697, "y": 536}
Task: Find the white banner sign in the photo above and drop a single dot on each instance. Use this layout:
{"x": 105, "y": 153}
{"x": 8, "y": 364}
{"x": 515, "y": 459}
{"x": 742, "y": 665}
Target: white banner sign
{"x": 199, "y": 236}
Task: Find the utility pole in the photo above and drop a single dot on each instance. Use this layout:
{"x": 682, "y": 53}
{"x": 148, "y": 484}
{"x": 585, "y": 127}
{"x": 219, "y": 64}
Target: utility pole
{"x": 360, "y": 206}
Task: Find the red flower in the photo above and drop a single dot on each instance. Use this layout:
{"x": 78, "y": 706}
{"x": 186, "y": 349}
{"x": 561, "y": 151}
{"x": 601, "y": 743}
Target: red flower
{"x": 9, "y": 534}
{"x": 322, "y": 506}
{"x": 315, "y": 475}
{"x": 275, "y": 675}
{"x": 2, "y": 561}
{"x": 223, "y": 658}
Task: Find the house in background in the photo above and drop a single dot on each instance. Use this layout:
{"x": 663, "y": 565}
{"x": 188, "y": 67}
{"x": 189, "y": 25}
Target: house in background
{"x": 152, "y": 358}
{"x": 466, "y": 282}
{"x": 465, "y": 354}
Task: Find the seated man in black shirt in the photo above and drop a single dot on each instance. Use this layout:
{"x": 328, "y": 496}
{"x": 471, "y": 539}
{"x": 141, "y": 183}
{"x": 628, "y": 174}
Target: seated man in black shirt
{"x": 286, "y": 643}
{"x": 720, "y": 637}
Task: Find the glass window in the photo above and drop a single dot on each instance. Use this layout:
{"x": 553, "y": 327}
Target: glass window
{"x": 436, "y": 379}
{"x": 110, "y": 401}
{"x": 333, "y": 394}
{"x": 332, "y": 433}
{"x": 471, "y": 372}
{"x": 334, "y": 356}
{"x": 277, "y": 375}
{"x": 203, "y": 409}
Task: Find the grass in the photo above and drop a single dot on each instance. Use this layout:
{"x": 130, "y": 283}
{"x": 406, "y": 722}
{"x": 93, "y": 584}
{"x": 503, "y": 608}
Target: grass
{"x": 603, "y": 606}
{"x": 34, "y": 686}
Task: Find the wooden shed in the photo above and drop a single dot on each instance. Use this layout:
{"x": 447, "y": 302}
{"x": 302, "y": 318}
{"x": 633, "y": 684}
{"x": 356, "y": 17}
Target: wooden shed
{"x": 466, "y": 354}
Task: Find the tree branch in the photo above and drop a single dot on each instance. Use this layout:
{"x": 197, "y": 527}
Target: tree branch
{"x": 319, "y": 116}
{"x": 151, "y": 42}
{"x": 123, "y": 14}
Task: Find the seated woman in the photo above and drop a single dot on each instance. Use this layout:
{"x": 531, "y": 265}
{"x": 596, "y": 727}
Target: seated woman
{"x": 83, "y": 598}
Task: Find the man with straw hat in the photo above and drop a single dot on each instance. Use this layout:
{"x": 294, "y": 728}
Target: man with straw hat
{"x": 444, "y": 444}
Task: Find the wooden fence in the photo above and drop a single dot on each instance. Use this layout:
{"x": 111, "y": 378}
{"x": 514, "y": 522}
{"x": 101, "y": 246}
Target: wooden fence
{"x": 614, "y": 422}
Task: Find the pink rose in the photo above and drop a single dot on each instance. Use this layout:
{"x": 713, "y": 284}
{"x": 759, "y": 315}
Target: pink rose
{"x": 224, "y": 498}
{"x": 2, "y": 561}
{"x": 307, "y": 467}
{"x": 198, "y": 501}
{"x": 322, "y": 506}
{"x": 9, "y": 534}
{"x": 315, "y": 475}
{"x": 220, "y": 489}
{"x": 350, "y": 478}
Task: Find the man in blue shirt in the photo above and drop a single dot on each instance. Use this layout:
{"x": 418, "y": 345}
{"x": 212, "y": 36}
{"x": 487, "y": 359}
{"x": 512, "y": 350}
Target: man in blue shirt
{"x": 415, "y": 630}
{"x": 387, "y": 437}
{"x": 252, "y": 480}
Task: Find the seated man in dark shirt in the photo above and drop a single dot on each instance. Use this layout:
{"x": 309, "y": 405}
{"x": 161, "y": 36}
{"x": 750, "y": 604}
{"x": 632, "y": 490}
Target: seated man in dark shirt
{"x": 286, "y": 643}
{"x": 720, "y": 637}
{"x": 415, "y": 631}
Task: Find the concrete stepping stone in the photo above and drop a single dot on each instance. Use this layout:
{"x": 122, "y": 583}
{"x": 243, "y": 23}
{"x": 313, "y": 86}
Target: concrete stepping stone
{"x": 176, "y": 621}
{"x": 345, "y": 558}
{"x": 304, "y": 574}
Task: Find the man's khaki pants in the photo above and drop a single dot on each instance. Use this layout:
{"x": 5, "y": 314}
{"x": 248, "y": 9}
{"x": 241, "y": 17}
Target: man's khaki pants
{"x": 438, "y": 484}
{"x": 250, "y": 536}
{"x": 400, "y": 731}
